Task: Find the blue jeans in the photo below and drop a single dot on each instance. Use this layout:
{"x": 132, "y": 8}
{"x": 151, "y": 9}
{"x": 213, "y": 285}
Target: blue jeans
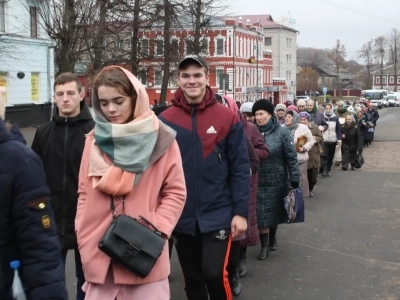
{"x": 80, "y": 295}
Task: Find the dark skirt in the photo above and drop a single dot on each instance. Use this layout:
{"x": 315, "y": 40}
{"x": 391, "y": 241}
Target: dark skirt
{"x": 348, "y": 157}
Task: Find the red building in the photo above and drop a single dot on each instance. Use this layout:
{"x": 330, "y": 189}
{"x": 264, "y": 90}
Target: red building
{"x": 239, "y": 64}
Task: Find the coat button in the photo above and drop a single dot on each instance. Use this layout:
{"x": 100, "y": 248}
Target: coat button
{"x": 42, "y": 205}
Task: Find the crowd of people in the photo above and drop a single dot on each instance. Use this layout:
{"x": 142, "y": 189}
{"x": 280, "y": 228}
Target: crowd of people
{"x": 209, "y": 174}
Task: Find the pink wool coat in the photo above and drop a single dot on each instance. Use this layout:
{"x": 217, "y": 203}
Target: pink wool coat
{"x": 159, "y": 196}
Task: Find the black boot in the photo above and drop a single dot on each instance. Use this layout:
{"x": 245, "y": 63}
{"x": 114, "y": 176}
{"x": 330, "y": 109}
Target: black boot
{"x": 324, "y": 170}
{"x": 264, "y": 247}
{"x": 236, "y": 285}
{"x": 242, "y": 268}
{"x": 272, "y": 238}
{"x": 345, "y": 166}
{"x": 329, "y": 167}
{"x": 353, "y": 167}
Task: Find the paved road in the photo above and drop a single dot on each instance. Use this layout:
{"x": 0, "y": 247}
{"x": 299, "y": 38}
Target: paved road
{"x": 349, "y": 246}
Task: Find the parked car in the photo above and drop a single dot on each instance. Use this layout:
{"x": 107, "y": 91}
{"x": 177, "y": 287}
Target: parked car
{"x": 377, "y": 103}
{"x": 305, "y": 97}
{"x": 392, "y": 103}
{"x": 397, "y": 102}
{"x": 394, "y": 99}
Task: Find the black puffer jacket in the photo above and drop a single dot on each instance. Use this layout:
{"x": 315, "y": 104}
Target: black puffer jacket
{"x": 60, "y": 144}
{"x": 27, "y": 227}
{"x": 274, "y": 174}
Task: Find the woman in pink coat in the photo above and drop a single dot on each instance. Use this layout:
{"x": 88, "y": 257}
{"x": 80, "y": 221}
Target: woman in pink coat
{"x": 129, "y": 155}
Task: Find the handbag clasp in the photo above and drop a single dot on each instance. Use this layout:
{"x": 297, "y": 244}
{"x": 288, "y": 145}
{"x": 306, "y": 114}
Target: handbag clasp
{"x": 131, "y": 250}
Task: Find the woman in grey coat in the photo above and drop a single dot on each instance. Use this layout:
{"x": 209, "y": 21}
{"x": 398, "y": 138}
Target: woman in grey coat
{"x": 275, "y": 175}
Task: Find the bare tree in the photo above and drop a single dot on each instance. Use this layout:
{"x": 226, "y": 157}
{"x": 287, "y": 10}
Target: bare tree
{"x": 337, "y": 55}
{"x": 379, "y": 53}
{"x": 367, "y": 53}
{"x": 394, "y": 52}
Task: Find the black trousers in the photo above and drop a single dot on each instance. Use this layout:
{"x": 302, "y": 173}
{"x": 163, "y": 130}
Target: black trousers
{"x": 204, "y": 259}
{"x": 312, "y": 175}
{"x": 329, "y": 154}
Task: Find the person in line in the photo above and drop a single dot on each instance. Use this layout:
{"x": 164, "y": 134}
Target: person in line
{"x": 275, "y": 175}
{"x": 341, "y": 112}
{"x": 350, "y": 145}
{"x": 373, "y": 116}
{"x": 280, "y": 111}
{"x": 245, "y": 109}
{"x": 301, "y": 105}
{"x": 316, "y": 117}
{"x": 361, "y": 121}
{"x": 132, "y": 158}
{"x": 59, "y": 143}
{"x": 252, "y": 231}
{"x": 298, "y": 131}
{"x": 27, "y": 226}
{"x": 332, "y": 137}
{"x": 314, "y": 160}
{"x": 292, "y": 107}
{"x": 216, "y": 165}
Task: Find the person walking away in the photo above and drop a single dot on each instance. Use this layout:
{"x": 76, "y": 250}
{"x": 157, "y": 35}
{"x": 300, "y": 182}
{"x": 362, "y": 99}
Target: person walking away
{"x": 59, "y": 143}
{"x": 373, "y": 115}
{"x": 280, "y": 111}
{"x": 350, "y": 145}
{"x": 314, "y": 153}
{"x": 130, "y": 159}
{"x": 332, "y": 137}
{"x": 300, "y": 131}
{"x": 275, "y": 175}
{"x": 216, "y": 166}
{"x": 27, "y": 227}
{"x": 361, "y": 121}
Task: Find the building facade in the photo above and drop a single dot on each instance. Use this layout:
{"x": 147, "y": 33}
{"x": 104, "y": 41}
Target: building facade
{"x": 239, "y": 64}
{"x": 282, "y": 40}
{"x": 386, "y": 80}
{"x": 26, "y": 62}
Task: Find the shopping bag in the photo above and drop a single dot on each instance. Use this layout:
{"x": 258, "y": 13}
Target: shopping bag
{"x": 338, "y": 154}
{"x": 359, "y": 162}
{"x": 294, "y": 205}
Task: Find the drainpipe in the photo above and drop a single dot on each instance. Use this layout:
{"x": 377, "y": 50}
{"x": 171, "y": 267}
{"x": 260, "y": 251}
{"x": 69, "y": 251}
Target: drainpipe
{"x": 49, "y": 79}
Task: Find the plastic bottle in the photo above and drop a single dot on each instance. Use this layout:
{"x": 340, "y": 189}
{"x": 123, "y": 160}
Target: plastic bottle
{"x": 17, "y": 289}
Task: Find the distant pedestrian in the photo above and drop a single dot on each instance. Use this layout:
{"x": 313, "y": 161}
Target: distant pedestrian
{"x": 246, "y": 110}
{"x": 300, "y": 132}
{"x": 350, "y": 145}
{"x": 280, "y": 111}
{"x": 373, "y": 115}
{"x": 301, "y": 105}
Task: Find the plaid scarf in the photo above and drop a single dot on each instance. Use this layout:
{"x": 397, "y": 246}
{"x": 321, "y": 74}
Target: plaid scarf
{"x": 131, "y": 149}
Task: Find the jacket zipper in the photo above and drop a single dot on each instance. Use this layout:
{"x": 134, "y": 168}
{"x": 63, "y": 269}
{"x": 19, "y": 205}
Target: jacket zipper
{"x": 64, "y": 176}
{"x": 194, "y": 126}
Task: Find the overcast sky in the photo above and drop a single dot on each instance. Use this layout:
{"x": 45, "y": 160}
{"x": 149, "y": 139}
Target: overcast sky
{"x": 322, "y": 22}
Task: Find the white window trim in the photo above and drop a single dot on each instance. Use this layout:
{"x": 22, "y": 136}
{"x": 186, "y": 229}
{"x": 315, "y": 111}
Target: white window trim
{"x": 219, "y": 36}
{"x": 217, "y": 77}
{"x": 148, "y": 48}
{"x": 188, "y": 38}
{"x": 158, "y": 38}
{"x": 140, "y": 76}
{"x": 391, "y": 79}
{"x": 398, "y": 79}
{"x": 155, "y": 71}
{"x": 207, "y": 54}
{"x": 384, "y": 80}
{"x": 378, "y": 79}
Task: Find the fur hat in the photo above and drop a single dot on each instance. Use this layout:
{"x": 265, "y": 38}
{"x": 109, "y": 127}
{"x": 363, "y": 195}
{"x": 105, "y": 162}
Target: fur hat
{"x": 263, "y": 104}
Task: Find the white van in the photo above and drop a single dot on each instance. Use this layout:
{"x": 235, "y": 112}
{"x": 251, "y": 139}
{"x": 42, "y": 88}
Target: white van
{"x": 394, "y": 99}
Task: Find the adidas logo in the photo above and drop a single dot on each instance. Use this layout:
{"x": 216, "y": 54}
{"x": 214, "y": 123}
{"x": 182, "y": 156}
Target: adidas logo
{"x": 211, "y": 130}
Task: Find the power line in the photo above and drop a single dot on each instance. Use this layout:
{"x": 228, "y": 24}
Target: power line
{"x": 360, "y": 12}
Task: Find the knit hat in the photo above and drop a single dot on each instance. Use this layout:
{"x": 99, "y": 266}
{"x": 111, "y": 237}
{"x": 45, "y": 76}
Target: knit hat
{"x": 280, "y": 106}
{"x": 246, "y": 107}
{"x": 304, "y": 114}
{"x": 292, "y": 107}
{"x": 263, "y": 104}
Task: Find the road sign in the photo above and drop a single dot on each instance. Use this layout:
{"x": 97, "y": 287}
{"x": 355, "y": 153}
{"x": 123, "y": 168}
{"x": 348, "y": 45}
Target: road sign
{"x": 324, "y": 90}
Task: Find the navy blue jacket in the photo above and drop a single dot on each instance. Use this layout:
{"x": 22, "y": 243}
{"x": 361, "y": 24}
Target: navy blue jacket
{"x": 215, "y": 160}
{"x": 27, "y": 228}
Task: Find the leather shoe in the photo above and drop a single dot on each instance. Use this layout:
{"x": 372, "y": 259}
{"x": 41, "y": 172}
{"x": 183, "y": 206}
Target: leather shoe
{"x": 236, "y": 285}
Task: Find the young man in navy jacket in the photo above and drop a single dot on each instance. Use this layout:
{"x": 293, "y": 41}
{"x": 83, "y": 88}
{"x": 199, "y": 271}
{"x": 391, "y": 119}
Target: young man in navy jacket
{"x": 217, "y": 172}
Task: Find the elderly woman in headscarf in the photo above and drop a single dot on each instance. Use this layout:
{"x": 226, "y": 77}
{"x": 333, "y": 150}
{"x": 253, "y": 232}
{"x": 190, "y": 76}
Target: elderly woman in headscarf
{"x": 280, "y": 111}
{"x": 341, "y": 112}
{"x": 303, "y": 140}
{"x": 350, "y": 144}
{"x": 314, "y": 161}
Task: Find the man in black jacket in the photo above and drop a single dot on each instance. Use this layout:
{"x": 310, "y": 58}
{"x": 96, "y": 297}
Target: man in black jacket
{"x": 60, "y": 144}
{"x": 27, "y": 227}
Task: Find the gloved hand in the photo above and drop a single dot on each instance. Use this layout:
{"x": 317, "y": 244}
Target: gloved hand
{"x": 294, "y": 184}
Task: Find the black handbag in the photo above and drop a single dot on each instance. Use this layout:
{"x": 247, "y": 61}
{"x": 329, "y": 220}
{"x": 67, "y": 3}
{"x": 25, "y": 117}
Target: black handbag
{"x": 131, "y": 243}
{"x": 359, "y": 162}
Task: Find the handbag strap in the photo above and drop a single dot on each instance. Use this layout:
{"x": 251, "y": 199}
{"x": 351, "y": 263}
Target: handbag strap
{"x": 114, "y": 214}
